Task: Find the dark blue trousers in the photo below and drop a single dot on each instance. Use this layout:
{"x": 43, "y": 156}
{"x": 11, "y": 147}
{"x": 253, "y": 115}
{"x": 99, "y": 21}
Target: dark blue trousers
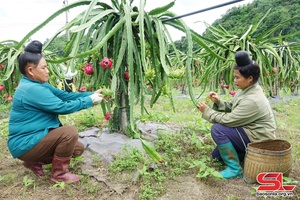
{"x": 223, "y": 134}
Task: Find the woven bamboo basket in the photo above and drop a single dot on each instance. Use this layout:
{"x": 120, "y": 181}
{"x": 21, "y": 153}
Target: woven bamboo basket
{"x": 267, "y": 156}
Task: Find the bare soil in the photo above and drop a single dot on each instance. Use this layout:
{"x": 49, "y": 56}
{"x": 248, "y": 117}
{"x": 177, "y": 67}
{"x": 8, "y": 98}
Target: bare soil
{"x": 101, "y": 186}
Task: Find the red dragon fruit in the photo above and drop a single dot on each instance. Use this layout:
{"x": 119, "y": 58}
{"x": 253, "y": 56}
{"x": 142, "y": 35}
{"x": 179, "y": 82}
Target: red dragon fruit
{"x": 106, "y": 63}
{"x": 88, "y": 69}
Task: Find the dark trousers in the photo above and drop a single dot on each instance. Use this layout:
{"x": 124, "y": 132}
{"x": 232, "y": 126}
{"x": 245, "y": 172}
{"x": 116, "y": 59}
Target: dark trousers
{"x": 223, "y": 134}
{"x": 62, "y": 142}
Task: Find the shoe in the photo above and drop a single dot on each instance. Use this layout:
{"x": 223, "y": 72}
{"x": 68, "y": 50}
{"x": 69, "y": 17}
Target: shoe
{"x": 36, "y": 167}
{"x": 231, "y": 159}
{"x": 60, "y": 172}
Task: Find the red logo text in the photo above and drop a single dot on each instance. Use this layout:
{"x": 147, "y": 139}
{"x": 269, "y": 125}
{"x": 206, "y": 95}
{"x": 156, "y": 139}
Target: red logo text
{"x": 272, "y": 181}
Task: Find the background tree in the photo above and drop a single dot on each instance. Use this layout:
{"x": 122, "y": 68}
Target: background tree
{"x": 57, "y": 45}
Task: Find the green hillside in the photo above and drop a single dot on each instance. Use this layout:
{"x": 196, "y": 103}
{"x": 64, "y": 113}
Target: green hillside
{"x": 238, "y": 19}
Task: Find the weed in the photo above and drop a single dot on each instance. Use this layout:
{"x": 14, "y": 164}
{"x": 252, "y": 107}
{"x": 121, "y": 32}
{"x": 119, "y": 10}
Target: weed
{"x": 28, "y": 183}
{"x": 96, "y": 162}
{"x": 253, "y": 190}
{"x": 231, "y": 197}
{"x": 198, "y": 141}
{"x": 48, "y": 167}
{"x": 76, "y": 161}
{"x": 147, "y": 191}
{"x": 88, "y": 119}
{"x": 61, "y": 185}
{"x": 155, "y": 117}
{"x": 152, "y": 186}
{"x": 83, "y": 119}
{"x": 88, "y": 186}
{"x": 289, "y": 181}
{"x": 127, "y": 161}
{"x": 205, "y": 170}
{"x": 4, "y": 127}
{"x": 4, "y": 109}
{"x": 92, "y": 189}
{"x": 8, "y": 178}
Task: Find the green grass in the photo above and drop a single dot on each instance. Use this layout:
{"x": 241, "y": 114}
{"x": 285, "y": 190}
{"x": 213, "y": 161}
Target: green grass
{"x": 287, "y": 119}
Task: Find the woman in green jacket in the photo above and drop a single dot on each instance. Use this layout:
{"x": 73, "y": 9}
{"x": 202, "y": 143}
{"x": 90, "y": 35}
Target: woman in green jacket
{"x": 247, "y": 118}
{"x": 36, "y": 135}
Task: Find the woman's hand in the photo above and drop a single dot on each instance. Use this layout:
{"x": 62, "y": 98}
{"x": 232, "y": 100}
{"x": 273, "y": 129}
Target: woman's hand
{"x": 98, "y": 91}
{"x": 214, "y": 97}
{"x": 202, "y": 106}
{"x": 96, "y": 98}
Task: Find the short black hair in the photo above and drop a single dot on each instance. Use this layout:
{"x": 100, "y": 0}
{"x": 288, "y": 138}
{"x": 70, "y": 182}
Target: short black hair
{"x": 32, "y": 54}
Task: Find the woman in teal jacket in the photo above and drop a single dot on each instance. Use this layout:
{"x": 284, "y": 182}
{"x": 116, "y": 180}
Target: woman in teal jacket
{"x": 36, "y": 136}
{"x": 247, "y": 118}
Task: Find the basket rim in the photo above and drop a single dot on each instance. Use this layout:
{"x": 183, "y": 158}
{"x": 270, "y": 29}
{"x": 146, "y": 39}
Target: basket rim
{"x": 252, "y": 148}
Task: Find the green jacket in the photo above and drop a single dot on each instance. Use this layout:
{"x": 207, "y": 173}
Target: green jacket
{"x": 249, "y": 109}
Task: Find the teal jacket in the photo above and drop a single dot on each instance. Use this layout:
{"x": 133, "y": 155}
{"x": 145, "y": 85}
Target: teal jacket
{"x": 35, "y": 110}
{"x": 249, "y": 109}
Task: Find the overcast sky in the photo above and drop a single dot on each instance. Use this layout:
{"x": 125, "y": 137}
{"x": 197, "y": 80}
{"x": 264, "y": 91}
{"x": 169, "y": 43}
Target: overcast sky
{"x": 19, "y": 17}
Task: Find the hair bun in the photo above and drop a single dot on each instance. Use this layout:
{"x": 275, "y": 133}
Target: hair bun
{"x": 34, "y": 46}
{"x": 242, "y": 58}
